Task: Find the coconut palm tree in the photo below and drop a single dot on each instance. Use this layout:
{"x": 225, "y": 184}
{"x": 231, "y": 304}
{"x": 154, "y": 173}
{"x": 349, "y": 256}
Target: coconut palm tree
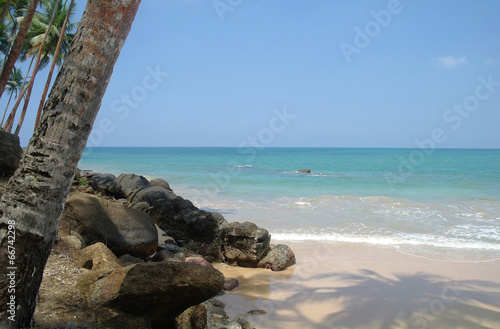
{"x": 55, "y": 57}
{"x": 40, "y": 25}
{"x": 34, "y": 198}
{"x": 14, "y": 85}
{"x": 10, "y": 120}
{"x": 18, "y": 43}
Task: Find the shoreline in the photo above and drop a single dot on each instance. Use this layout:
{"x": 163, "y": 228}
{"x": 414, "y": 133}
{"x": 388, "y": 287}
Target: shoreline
{"x": 364, "y": 286}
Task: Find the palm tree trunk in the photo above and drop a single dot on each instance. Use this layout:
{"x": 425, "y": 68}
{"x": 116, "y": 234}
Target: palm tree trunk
{"x": 10, "y": 119}
{"x": 5, "y": 9}
{"x": 34, "y": 198}
{"x": 35, "y": 70}
{"x": 53, "y": 64}
{"x": 16, "y": 47}
{"x": 5, "y": 112}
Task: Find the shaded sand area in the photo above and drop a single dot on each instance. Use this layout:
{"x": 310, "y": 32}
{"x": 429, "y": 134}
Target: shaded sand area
{"x": 364, "y": 286}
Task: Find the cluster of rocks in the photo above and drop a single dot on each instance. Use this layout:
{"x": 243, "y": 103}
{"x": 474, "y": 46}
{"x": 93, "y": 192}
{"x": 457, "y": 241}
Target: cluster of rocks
{"x": 111, "y": 224}
{"x": 130, "y": 280}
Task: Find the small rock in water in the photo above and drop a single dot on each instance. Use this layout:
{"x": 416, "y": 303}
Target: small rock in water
{"x": 231, "y": 284}
{"x": 307, "y": 171}
{"x": 256, "y": 312}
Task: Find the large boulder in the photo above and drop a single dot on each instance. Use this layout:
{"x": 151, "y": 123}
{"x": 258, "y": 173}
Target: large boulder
{"x": 152, "y": 195}
{"x": 101, "y": 182}
{"x": 10, "y": 153}
{"x": 126, "y": 184}
{"x": 122, "y": 229}
{"x": 278, "y": 258}
{"x": 180, "y": 219}
{"x": 160, "y": 290}
{"x": 244, "y": 244}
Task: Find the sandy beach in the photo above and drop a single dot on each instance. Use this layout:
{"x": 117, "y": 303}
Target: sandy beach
{"x": 365, "y": 286}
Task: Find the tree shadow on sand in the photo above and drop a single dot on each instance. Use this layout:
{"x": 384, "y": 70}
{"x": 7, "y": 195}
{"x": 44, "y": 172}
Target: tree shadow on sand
{"x": 369, "y": 300}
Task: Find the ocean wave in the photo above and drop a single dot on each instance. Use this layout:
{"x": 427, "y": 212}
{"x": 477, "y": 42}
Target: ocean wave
{"x": 392, "y": 241}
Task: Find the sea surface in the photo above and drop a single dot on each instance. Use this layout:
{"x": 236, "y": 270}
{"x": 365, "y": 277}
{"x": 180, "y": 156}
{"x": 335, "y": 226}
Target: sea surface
{"x": 436, "y": 203}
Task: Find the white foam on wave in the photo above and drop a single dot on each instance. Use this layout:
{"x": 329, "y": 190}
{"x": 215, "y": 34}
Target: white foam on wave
{"x": 394, "y": 241}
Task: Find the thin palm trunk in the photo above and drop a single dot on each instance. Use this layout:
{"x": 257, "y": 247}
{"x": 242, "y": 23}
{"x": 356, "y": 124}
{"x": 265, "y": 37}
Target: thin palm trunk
{"x": 5, "y": 9}
{"x": 16, "y": 47}
{"x": 5, "y": 111}
{"x": 33, "y": 200}
{"x": 35, "y": 70}
{"x": 24, "y": 87}
{"x": 53, "y": 64}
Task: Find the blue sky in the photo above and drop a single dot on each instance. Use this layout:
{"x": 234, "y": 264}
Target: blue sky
{"x": 305, "y": 73}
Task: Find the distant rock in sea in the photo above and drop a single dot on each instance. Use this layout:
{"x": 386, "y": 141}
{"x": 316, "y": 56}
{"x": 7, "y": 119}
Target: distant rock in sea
{"x": 306, "y": 171}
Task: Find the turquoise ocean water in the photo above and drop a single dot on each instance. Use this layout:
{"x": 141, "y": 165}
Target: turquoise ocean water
{"x": 440, "y": 204}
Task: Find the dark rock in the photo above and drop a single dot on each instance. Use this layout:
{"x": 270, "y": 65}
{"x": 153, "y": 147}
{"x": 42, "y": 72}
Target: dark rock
{"x": 101, "y": 182}
{"x": 231, "y": 284}
{"x": 126, "y": 184}
{"x": 160, "y": 182}
{"x": 244, "y": 243}
{"x": 122, "y": 229}
{"x": 141, "y": 206}
{"x": 209, "y": 315}
{"x": 160, "y": 290}
{"x": 198, "y": 260}
{"x": 127, "y": 260}
{"x": 181, "y": 220}
{"x": 10, "y": 153}
{"x": 306, "y": 171}
{"x": 256, "y": 312}
{"x": 152, "y": 195}
{"x": 163, "y": 256}
{"x": 278, "y": 258}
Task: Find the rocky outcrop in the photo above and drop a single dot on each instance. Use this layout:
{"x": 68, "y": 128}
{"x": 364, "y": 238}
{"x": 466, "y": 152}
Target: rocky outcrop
{"x": 245, "y": 244}
{"x": 160, "y": 182}
{"x": 209, "y": 315}
{"x": 152, "y": 195}
{"x": 160, "y": 290}
{"x": 10, "y": 153}
{"x": 278, "y": 258}
{"x": 122, "y": 229}
{"x": 101, "y": 182}
{"x": 126, "y": 184}
{"x": 305, "y": 171}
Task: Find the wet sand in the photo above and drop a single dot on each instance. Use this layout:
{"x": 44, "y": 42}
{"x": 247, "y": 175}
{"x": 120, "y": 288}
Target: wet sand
{"x": 365, "y": 286}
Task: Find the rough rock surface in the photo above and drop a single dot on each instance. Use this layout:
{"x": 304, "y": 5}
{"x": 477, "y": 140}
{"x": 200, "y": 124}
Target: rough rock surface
{"x": 160, "y": 290}
{"x": 209, "y": 315}
{"x": 278, "y": 258}
{"x": 96, "y": 257}
{"x": 245, "y": 243}
{"x": 122, "y": 229}
{"x": 101, "y": 182}
{"x": 10, "y": 153}
{"x": 160, "y": 182}
{"x": 126, "y": 184}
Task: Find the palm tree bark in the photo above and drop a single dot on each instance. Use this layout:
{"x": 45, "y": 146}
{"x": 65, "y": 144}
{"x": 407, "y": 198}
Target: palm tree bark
{"x": 34, "y": 198}
{"x": 53, "y": 64}
{"x": 33, "y": 75}
{"x": 5, "y": 9}
{"x": 16, "y": 47}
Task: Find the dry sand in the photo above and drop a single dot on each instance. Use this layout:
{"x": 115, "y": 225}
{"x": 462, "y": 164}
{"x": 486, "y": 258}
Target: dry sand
{"x": 364, "y": 286}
